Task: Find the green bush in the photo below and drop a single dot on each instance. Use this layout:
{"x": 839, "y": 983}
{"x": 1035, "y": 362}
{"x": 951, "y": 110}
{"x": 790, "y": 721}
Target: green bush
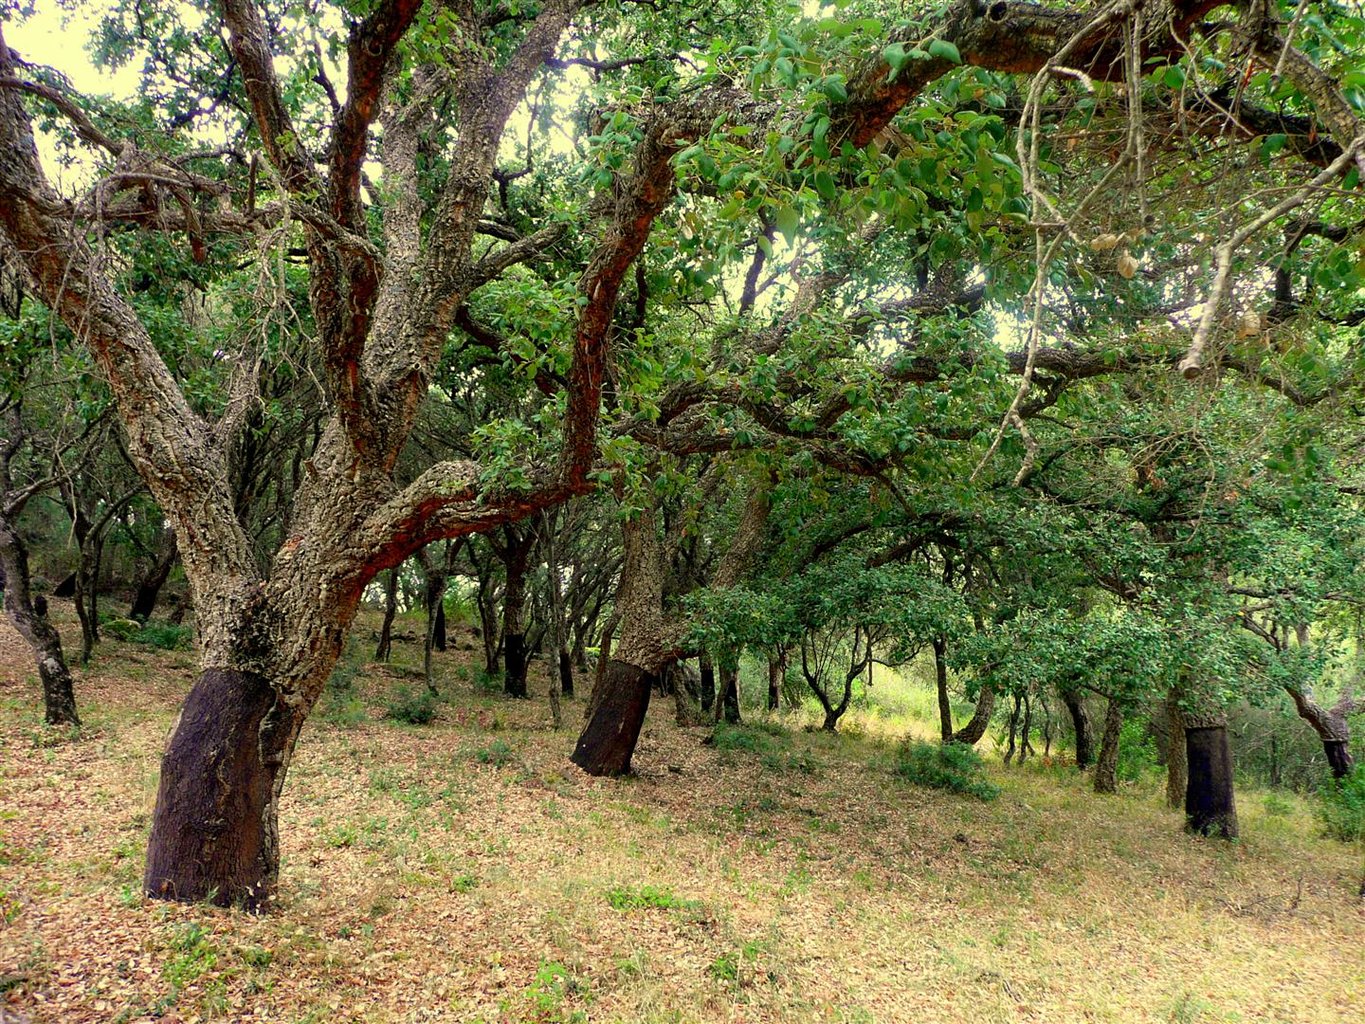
{"x": 1342, "y": 807}
{"x": 1137, "y": 752}
{"x": 953, "y": 766}
{"x": 736, "y": 737}
{"x": 165, "y": 636}
{"x": 499, "y": 753}
{"x": 414, "y": 708}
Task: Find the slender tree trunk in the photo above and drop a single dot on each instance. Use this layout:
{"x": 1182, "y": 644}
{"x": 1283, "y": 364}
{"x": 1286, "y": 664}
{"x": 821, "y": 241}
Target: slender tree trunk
{"x": 1210, "y": 804}
{"x": 945, "y": 707}
{"x": 29, "y": 617}
{"x": 1106, "y": 768}
{"x": 1025, "y": 747}
{"x": 1080, "y": 721}
{"x": 557, "y": 656}
{"x": 149, "y": 588}
{"x": 434, "y": 577}
{"x": 385, "y": 649}
{"x": 777, "y": 670}
{"x": 1177, "y": 777}
{"x": 981, "y": 718}
{"x": 516, "y": 556}
{"x": 1014, "y": 730}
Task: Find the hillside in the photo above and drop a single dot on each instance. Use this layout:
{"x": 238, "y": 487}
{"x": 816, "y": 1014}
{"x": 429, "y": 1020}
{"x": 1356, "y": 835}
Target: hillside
{"x": 466, "y": 871}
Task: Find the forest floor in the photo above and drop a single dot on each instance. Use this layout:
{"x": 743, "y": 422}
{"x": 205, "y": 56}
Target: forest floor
{"x": 466, "y": 871}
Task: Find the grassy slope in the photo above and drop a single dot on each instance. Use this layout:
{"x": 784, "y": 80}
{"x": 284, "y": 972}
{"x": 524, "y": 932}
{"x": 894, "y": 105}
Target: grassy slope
{"x": 466, "y": 871}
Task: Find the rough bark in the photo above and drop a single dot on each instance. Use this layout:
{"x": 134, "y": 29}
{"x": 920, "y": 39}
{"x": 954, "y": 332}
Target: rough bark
{"x": 1177, "y": 774}
{"x": 514, "y": 549}
{"x": 1080, "y": 723}
{"x": 1210, "y": 804}
{"x": 777, "y": 671}
{"x": 1106, "y": 767}
{"x": 981, "y": 718}
{"x": 621, "y": 696}
{"x": 214, "y": 834}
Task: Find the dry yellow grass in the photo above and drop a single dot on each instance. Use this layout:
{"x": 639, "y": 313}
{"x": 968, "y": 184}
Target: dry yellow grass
{"x": 465, "y": 871}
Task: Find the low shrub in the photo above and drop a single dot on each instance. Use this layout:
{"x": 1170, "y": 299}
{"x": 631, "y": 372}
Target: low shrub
{"x": 499, "y": 754}
{"x": 1342, "y": 807}
{"x": 736, "y": 737}
{"x": 953, "y": 766}
{"x": 413, "y": 707}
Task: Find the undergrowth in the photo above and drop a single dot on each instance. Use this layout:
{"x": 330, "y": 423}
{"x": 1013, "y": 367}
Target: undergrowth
{"x": 952, "y": 766}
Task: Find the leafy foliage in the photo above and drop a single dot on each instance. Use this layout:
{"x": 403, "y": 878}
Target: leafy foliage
{"x": 1342, "y": 807}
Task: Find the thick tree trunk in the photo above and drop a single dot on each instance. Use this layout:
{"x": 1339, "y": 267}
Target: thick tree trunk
{"x": 980, "y": 720}
{"x": 1210, "y": 805}
{"x": 385, "y": 647}
{"x": 708, "y": 683}
{"x": 616, "y": 710}
{"x": 214, "y": 832}
{"x": 1080, "y": 722}
{"x": 565, "y": 672}
{"x": 945, "y": 707}
{"x": 1177, "y": 775}
{"x": 29, "y": 618}
{"x": 1106, "y": 768}
{"x": 1339, "y": 757}
{"x": 149, "y": 588}
{"x": 727, "y": 706}
{"x": 608, "y": 742}
{"x": 514, "y": 665}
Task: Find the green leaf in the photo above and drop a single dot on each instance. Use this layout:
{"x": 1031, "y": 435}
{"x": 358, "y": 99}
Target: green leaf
{"x": 788, "y": 222}
{"x": 824, "y": 184}
{"x": 944, "y": 50}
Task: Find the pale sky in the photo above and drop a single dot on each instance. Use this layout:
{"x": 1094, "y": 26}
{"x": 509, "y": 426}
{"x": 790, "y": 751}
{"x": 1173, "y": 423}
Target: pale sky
{"x": 59, "y": 39}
